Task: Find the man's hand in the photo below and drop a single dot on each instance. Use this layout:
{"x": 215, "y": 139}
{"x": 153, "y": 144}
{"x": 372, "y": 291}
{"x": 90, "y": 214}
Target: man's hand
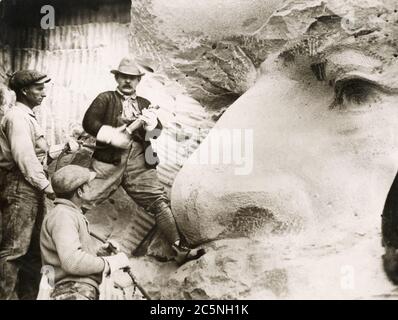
{"x": 108, "y": 248}
{"x": 73, "y": 145}
{"x": 117, "y": 137}
{"x": 121, "y": 138}
{"x": 113, "y": 245}
{"x": 117, "y": 262}
{"x": 150, "y": 119}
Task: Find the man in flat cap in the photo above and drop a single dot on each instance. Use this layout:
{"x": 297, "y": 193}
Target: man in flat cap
{"x": 125, "y": 157}
{"x": 66, "y": 244}
{"x": 23, "y": 150}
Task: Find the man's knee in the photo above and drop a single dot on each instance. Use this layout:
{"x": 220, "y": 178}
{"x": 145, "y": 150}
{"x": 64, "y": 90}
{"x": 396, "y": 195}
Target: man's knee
{"x": 158, "y": 206}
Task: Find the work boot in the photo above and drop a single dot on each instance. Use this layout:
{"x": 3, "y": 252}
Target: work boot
{"x": 167, "y": 225}
{"x": 184, "y": 254}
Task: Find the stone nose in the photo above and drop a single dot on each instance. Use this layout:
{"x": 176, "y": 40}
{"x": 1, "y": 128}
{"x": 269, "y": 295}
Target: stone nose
{"x": 213, "y": 201}
{"x": 212, "y": 204}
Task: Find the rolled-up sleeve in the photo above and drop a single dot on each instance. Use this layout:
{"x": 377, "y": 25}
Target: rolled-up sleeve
{"x": 64, "y": 230}
{"x": 23, "y": 151}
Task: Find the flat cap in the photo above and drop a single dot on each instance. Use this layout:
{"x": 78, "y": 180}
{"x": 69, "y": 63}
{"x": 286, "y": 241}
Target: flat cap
{"x": 24, "y": 78}
{"x": 70, "y": 177}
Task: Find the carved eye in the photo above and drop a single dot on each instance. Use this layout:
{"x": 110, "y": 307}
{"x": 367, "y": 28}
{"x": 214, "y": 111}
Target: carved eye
{"x": 354, "y": 92}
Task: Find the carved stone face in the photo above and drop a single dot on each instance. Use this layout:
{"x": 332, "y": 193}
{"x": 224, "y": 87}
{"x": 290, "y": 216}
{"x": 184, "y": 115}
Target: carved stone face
{"x": 315, "y": 155}
{"x": 323, "y": 118}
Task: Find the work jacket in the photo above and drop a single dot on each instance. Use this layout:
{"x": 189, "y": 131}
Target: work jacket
{"x": 107, "y": 109}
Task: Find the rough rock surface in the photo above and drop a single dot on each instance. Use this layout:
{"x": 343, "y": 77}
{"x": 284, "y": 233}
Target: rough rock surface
{"x": 212, "y": 53}
{"x": 244, "y": 268}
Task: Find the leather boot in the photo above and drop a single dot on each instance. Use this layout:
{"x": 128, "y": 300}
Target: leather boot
{"x": 184, "y": 254}
{"x": 167, "y": 225}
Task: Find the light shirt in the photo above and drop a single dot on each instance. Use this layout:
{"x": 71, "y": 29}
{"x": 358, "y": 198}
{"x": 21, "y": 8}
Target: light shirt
{"x": 130, "y": 106}
{"x": 23, "y": 146}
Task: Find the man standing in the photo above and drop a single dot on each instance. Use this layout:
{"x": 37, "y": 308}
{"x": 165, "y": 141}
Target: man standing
{"x": 66, "y": 244}
{"x": 124, "y": 157}
{"x": 23, "y": 151}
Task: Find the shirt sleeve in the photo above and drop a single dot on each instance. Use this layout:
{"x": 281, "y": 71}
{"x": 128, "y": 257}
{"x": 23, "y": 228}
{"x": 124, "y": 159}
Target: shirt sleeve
{"x": 93, "y": 118}
{"x": 23, "y": 152}
{"x": 64, "y": 230}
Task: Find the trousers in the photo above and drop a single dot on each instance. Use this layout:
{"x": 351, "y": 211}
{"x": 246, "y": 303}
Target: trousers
{"x": 23, "y": 208}
{"x": 72, "y": 290}
{"x": 139, "y": 182}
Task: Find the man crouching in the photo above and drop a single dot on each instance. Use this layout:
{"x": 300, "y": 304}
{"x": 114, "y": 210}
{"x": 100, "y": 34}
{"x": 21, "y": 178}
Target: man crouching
{"x": 66, "y": 244}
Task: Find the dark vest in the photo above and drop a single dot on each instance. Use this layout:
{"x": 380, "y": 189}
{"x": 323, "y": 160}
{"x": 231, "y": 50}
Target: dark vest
{"x": 106, "y": 109}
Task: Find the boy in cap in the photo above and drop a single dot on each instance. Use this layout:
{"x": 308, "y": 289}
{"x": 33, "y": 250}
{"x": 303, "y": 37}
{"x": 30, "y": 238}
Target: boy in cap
{"x": 23, "y": 151}
{"x": 66, "y": 244}
{"x": 126, "y": 158}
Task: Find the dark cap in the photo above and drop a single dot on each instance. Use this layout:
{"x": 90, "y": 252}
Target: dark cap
{"x": 70, "y": 177}
{"x": 24, "y": 78}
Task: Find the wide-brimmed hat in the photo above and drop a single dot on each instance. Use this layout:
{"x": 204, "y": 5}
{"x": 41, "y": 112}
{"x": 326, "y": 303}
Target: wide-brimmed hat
{"x": 128, "y": 66}
{"x": 70, "y": 177}
{"x": 25, "y": 78}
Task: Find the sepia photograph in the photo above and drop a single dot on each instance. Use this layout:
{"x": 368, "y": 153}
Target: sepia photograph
{"x": 231, "y": 150}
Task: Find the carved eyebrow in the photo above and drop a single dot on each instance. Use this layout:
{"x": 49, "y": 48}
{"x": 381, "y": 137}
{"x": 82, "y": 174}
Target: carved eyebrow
{"x": 345, "y": 63}
{"x": 376, "y": 80}
{"x": 360, "y": 66}
{"x": 359, "y": 79}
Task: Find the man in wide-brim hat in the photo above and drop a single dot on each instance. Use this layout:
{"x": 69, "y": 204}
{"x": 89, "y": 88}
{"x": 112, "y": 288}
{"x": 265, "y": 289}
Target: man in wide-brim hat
{"x": 124, "y": 157}
{"x": 128, "y": 67}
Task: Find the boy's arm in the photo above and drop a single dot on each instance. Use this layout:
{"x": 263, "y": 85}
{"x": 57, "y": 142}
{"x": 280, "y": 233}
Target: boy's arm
{"x": 65, "y": 233}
